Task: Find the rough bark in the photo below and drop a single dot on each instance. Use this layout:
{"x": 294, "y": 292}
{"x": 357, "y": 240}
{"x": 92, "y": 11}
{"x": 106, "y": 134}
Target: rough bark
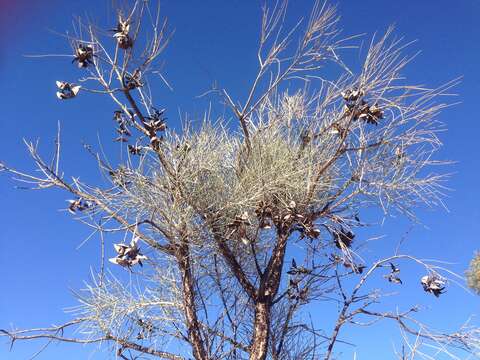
{"x": 268, "y": 290}
{"x": 235, "y": 267}
{"x": 261, "y": 331}
{"x": 193, "y": 325}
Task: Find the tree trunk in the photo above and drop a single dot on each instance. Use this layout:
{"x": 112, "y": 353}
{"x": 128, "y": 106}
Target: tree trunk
{"x": 193, "y": 326}
{"x": 261, "y": 331}
{"x": 267, "y": 291}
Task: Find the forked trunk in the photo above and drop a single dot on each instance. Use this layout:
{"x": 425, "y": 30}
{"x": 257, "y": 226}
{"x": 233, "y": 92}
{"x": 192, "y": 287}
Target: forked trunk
{"x": 267, "y": 292}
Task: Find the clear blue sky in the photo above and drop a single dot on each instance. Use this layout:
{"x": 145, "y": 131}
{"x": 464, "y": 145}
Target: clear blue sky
{"x": 214, "y": 40}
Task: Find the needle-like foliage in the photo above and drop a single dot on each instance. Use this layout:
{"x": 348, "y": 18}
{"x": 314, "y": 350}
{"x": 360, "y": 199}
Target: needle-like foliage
{"x": 473, "y": 273}
{"x": 235, "y": 228}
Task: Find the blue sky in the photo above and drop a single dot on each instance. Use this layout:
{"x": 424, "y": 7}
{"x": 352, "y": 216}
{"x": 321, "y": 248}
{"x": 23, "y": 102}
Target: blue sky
{"x": 214, "y": 40}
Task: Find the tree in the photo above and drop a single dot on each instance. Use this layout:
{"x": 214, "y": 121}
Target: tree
{"x": 212, "y": 211}
{"x": 473, "y": 273}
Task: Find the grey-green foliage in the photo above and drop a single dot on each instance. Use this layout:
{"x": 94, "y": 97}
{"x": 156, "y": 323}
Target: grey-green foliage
{"x": 219, "y": 205}
{"x": 473, "y": 274}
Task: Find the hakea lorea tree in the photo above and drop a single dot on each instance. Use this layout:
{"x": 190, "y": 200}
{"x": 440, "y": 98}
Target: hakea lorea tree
{"x": 238, "y": 227}
{"x": 473, "y": 273}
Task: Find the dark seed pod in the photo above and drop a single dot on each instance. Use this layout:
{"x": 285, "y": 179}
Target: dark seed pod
{"x": 128, "y": 255}
{"x": 393, "y": 276}
{"x": 121, "y": 33}
{"x": 78, "y": 205}
{"x": 343, "y": 238}
{"x": 67, "y": 90}
{"x": 433, "y": 284}
{"x": 132, "y": 81}
{"x": 83, "y": 55}
{"x": 135, "y": 149}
